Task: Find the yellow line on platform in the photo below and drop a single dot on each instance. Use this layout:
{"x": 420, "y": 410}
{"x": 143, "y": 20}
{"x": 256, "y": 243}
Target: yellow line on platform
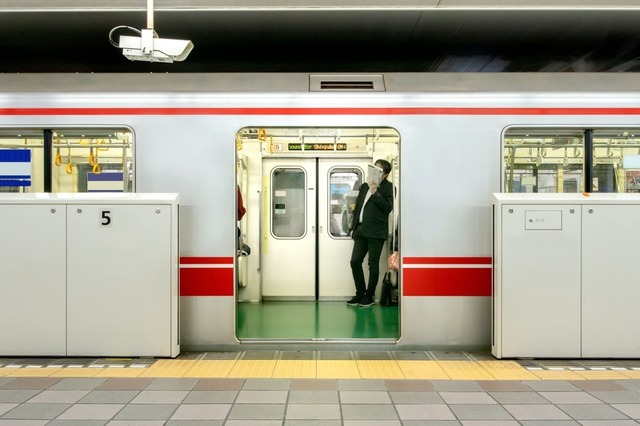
{"x": 326, "y": 369}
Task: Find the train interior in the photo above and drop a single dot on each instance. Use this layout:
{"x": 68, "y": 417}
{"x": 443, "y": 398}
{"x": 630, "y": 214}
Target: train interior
{"x": 299, "y": 186}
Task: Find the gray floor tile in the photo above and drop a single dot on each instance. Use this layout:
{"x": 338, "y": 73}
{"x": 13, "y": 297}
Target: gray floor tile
{"x": 313, "y": 412}
{"x": 629, "y": 384}
{"x": 313, "y": 397}
{"x": 551, "y": 385}
{"x": 518, "y": 398}
{"x": 201, "y": 412}
{"x": 91, "y": 412}
{"x": 109, "y": 397}
{"x": 314, "y": 384}
{"x": 267, "y": 384}
{"x": 78, "y": 423}
{"x": 410, "y": 386}
{"x": 210, "y": 397}
{"x": 257, "y": 412}
{"x": 631, "y": 410}
{"x": 416, "y": 398}
{"x": 346, "y": 385}
{"x": 597, "y": 385}
{"x": 480, "y": 412}
{"x": 27, "y": 383}
{"x": 570, "y": 398}
{"x": 262, "y": 397}
{"x": 457, "y": 386}
{"x": 23, "y": 422}
{"x": 608, "y": 422}
{"x": 125, "y": 383}
{"x": 219, "y": 385}
{"x": 625, "y": 397}
{"x": 364, "y": 397}
{"x": 424, "y": 412}
{"x": 536, "y": 412}
{"x": 172, "y": 385}
{"x": 549, "y": 423}
{"x": 35, "y": 411}
{"x": 503, "y": 386}
{"x": 146, "y": 412}
{"x": 159, "y": 397}
{"x": 78, "y": 384}
{"x": 467, "y": 398}
{"x": 592, "y": 412}
{"x": 7, "y": 407}
{"x": 312, "y": 423}
{"x": 369, "y": 412}
{"x": 58, "y": 396}
{"x": 17, "y": 396}
{"x": 195, "y": 423}
{"x": 372, "y": 423}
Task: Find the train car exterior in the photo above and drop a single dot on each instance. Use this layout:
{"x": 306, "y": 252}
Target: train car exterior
{"x": 449, "y": 138}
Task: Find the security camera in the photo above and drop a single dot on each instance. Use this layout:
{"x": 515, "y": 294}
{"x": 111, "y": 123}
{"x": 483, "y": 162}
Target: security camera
{"x": 150, "y": 48}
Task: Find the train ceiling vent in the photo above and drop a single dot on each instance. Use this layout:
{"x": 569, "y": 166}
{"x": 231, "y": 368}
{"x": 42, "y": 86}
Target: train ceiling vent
{"x": 346, "y": 83}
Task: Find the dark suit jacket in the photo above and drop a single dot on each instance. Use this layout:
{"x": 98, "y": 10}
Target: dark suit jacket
{"x": 375, "y": 220}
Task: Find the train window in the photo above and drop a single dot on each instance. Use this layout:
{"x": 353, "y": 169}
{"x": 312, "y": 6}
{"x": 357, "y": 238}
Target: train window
{"x": 288, "y": 209}
{"x": 66, "y": 160}
{"x": 20, "y": 150}
{"x": 543, "y": 160}
{"x": 553, "y": 160}
{"x": 616, "y": 160}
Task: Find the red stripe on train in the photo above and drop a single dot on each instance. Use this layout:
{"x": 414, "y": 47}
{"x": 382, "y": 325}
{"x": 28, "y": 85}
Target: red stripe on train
{"x": 321, "y": 111}
{"x": 446, "y": 282}
{"x": 204, "y": 280}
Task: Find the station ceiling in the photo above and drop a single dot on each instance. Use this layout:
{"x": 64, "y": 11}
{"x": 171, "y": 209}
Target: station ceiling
{"x": 328, "y": 36}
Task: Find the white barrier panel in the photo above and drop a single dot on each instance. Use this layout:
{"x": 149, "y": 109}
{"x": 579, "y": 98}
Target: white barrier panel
{"x": 565, "y": 276}
{"x": 89, "y": 274}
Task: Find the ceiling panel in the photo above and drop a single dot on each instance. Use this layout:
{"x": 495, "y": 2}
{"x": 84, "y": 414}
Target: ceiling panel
{"x": 442, "y": 39}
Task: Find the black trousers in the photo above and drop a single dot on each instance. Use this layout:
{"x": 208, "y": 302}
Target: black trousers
{"x": 362, "y": 246}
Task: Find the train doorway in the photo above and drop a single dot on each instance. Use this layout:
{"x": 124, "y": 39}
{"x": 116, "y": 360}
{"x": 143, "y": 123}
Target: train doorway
{"x": 307, "y": 229}
{"x": 300, "y": 197}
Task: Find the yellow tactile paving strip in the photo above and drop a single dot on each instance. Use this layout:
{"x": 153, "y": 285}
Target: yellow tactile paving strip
{"x": 327, "y": 369}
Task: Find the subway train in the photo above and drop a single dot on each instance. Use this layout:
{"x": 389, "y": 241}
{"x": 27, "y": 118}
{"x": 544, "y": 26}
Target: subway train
{"x": 294, "y": 148}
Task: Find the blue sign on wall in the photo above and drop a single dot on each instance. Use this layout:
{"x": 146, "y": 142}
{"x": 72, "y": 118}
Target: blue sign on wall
{"x": 15, "y": 167}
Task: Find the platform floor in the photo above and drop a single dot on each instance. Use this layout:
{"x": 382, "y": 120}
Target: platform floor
{"x": 265, "y": 388}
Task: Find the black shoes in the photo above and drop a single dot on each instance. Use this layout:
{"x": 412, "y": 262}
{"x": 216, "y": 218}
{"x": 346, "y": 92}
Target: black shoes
{"x": 366, "y": 301}
{"x": 354, "y": 301}
{"x": 362, "y": 301}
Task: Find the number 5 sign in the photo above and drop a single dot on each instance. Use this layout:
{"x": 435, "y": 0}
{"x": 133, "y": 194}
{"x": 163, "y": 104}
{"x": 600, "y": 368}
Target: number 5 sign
{"x": 105, "y": 218}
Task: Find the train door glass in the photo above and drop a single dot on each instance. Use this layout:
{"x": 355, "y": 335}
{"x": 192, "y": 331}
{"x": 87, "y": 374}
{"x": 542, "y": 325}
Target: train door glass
{"x": 343, "y": 191}
{"x": 338, "y": 184}
{"x": 66, "y": 160}
{"x": 288, "y": 248}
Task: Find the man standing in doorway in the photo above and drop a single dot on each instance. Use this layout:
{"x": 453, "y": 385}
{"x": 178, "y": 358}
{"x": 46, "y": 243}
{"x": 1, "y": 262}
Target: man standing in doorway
{"x": 369, "y": 230}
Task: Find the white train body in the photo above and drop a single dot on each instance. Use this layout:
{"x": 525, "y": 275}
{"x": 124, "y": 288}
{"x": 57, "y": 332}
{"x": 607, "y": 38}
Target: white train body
{"x": 449, "y": 162}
